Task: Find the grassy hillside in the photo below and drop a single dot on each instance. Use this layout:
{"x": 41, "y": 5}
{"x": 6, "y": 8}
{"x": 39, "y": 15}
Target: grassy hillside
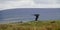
{"x": 32, "y": 25}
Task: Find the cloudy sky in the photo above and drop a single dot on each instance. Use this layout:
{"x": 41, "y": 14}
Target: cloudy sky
{"x": 8, "y": 4}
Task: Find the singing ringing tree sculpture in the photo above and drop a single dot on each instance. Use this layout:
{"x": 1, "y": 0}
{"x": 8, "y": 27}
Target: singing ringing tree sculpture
{"x": 36, "y": 17}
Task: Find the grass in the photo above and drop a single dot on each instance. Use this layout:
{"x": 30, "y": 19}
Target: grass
{"x": 32, "y": 25}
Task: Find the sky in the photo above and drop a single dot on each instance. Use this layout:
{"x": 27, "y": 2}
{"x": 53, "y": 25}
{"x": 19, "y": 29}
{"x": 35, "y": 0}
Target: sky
{"x": 10, "y": 4}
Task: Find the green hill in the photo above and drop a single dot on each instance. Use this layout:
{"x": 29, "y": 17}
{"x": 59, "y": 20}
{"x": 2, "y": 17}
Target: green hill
{"x": 32, "y": 25}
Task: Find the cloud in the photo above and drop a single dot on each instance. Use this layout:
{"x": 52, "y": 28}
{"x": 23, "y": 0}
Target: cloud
{"x": 16, "y": 4}
{"x": 44, "y": 1}
{"x": 8, "y": 4}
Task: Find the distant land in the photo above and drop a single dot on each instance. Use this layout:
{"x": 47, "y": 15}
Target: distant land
{"x": 26, "y": 14}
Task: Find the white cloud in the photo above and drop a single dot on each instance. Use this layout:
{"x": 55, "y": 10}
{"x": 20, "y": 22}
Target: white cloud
{"x": 16, "y": 4}
{"x": 27, "y": 4}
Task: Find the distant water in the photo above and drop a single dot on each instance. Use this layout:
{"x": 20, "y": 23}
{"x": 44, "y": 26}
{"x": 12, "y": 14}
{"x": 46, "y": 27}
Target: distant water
{"x": 24, "y": 14}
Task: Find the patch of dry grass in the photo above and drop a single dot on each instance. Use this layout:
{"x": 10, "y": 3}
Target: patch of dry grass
{"x": 32, "y": 25}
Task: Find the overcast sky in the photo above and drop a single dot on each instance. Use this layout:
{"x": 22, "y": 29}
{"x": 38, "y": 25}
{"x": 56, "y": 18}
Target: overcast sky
{"x": 8, "y": 4}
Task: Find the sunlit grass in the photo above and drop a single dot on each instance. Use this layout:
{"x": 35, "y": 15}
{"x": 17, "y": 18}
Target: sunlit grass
{"x": 32, "y": 25}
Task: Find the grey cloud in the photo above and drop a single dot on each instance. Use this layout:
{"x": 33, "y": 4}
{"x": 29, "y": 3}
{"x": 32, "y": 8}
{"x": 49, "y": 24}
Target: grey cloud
{"x": 8, "y": 0}
{"x": 58, "y": 1}
{"x": 4, "y": 1}
{"x": 35, "y": 1}
{"x": 41, "y": 1}
{"x": 46, "y": 1}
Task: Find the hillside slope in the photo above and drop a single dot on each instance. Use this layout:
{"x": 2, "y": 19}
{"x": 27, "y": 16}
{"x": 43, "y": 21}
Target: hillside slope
{"x": 32, "y": 25}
